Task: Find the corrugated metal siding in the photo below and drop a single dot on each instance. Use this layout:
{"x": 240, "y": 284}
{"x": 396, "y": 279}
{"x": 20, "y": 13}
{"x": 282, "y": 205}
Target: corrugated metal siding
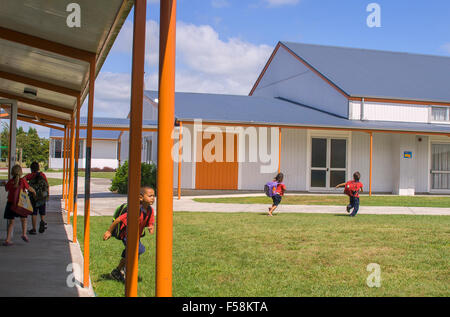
{"x": 293, "y": 158}
{"x": 422, "y": 173}
{"x": 395, "y": 112}
{"x": 251, "y": 176}
{"x": 287, "y": 77}
{"x": 382, "y": 169}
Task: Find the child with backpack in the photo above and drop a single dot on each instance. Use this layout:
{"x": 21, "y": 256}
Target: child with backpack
{"x": 352, "y": 189}
{"x": 13, "y": 187}
{"x": 38, "y": 181}
{"x": 118, "y": 228}
{"x": 275, "y": 190}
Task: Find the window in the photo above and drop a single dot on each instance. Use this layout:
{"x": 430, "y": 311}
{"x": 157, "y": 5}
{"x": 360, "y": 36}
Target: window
{"x": 440, "y": 114}
{"x": 57, "y": 148}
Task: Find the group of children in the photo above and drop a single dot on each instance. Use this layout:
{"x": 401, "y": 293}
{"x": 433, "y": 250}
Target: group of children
{"x": 31, "y": 183}
{"x": 352, "y": 189}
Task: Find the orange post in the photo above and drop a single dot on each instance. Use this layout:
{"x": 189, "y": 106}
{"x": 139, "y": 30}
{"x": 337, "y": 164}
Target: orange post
{"x": 134, "y": 162}
{"x": 87, "y": 177}
{"x": 371, "y": 163}
{"x": 64, "y": 166}
{"x": 279, "y": 149}
{"x": 71, "y": 167}
{"x": 166, "y": 114}
{"x": 75, "y": 180}
{"x": 180, "y": 149}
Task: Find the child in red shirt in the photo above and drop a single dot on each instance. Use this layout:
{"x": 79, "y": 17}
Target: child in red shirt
{"x": 352, "y": 189}
{"x": 281, "y": 188}
{"x": 146, "y": 198}
{"x": 16, "y": 183}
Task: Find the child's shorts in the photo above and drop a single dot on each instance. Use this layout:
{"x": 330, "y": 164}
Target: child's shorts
{"x": 9, "y": 213}
{"x": 140, "y": 251}
{"x": 40, "y": 209}
{"x": 276, "y": 200}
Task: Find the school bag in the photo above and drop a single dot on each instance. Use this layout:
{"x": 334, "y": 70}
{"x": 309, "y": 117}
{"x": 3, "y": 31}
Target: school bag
{"x": 351, "y": 188}
{"x": 120, "y": 228}
{"x": 41, "y": 187}
{"x": 271, "y": 189}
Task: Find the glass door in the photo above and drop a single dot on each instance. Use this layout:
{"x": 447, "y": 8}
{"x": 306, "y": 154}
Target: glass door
{"x": 440, "y": 166}
{"x": 328, "y": 162}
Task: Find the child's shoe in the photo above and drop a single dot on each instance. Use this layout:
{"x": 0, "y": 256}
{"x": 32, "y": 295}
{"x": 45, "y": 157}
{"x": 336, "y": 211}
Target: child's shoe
{"x": 118, "y": 275}
{"x": 42, "y": 226}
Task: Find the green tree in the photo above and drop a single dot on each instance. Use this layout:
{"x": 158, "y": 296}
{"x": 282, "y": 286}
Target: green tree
{"x": 120, "y": 180}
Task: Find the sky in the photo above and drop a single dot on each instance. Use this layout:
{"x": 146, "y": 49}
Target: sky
{"x": 223, "y": 45}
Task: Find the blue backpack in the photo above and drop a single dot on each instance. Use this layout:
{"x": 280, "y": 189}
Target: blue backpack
{"x": 271, "y": 189}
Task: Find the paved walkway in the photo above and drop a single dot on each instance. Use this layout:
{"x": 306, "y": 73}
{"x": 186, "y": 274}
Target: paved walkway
{"x": 49, "y": 265}
{"x": 104, "y": 203}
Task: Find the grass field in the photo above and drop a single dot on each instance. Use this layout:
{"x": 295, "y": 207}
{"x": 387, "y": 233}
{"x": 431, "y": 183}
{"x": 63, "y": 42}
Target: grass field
{"x": 404, "y": 201}
{"x": 243, "y": 254}
{"x": 51, "y": 181}
{"x": 109, "y": 175}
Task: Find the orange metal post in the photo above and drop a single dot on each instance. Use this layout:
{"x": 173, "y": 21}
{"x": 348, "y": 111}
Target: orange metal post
{"x": 134, "y": 163}
{"x": 75, "y": 180}
{"x": 72, "y": 153}
{"x": 180, "y": 148}
{"x": 87, "y": 177}
{"x": 65, "y": 166}
{"x": 279, "y": 149}
{"x": 371, "y": 162}
{"x": 166, "y": 114}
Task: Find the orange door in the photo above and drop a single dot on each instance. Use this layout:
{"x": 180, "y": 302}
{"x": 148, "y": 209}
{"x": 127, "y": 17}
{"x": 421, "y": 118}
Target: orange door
{"x": 215, "y": 174}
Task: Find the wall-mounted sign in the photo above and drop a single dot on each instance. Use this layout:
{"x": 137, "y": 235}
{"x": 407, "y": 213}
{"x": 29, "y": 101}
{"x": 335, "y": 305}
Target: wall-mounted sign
{"x": 407, "y": 154}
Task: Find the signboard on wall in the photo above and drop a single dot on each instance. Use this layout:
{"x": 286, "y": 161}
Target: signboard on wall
{"x": 407, "y": 154}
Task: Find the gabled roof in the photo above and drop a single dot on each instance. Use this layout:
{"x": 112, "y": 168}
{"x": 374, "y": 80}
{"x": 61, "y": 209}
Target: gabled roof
{"x": 379, "y": 74}
{"x": 254, "y": 110}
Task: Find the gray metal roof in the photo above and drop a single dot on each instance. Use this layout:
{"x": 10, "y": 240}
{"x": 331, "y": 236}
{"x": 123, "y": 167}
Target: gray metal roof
{"x": 379, "y": 74}
{"x": 38, "y": 50}
{"x": 276, "y": 112}
{"x": 96, "y": 134}
{"x": 102, "y": 122}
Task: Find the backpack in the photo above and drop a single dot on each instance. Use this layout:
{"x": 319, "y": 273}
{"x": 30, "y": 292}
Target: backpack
{"x": 119, "y": 229}
{"x": 271, "y": 189}
{"x": 351, "y": 188}
{"x": 41, "y": 187}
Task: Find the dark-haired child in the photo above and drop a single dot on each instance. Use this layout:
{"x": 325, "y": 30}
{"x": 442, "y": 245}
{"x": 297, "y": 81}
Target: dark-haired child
{"x": 352, "y": 189}
{"x": 281, "y": 188}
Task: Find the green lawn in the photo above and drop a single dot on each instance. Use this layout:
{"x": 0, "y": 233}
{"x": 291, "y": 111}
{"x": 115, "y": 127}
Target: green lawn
{"x": 250, "y": 254}
{"x": 404, "y": 201}
{"x": 51, "y": 181}
{"x": 109, "y": 175}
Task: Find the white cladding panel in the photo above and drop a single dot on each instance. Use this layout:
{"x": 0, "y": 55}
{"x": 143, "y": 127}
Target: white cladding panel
{"x": 422, "y": 170}
{"x": 95, "y": 163}
{"x": 294, "y": 158}
{"x": 187, "y": 163}
{"x": 104, "y": 150}
{"x": 389, "y": 112}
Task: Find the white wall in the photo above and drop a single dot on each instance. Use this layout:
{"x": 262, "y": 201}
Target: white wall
{"x": 389, "y": 112}
{"x": 422, "y": 174}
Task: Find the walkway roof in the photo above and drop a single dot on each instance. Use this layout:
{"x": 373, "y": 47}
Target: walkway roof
{"x": 39, "y": 50}
{"x": 253, "y": 110}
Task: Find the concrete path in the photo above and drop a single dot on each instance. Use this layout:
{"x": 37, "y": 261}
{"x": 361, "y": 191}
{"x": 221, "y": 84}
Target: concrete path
{"x": 49, "y": 265}
{"x": 104, "y": 203}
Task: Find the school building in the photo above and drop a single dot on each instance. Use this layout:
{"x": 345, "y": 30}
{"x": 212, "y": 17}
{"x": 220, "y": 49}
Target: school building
{"x": 330, "y": 111}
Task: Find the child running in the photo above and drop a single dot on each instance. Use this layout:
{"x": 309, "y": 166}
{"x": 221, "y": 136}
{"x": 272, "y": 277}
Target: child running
{"x": 146, "y": 219}
{"x": 38, "y": 181}
{"x": 352, "y": 189}
{"x": 281, "y": 188}
{"x": 16, "y": 183}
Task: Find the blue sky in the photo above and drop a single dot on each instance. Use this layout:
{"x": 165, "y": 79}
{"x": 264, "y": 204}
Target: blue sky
{"x": 222, "y": 45}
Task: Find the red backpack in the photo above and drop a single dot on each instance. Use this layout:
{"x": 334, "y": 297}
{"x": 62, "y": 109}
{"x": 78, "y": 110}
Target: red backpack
{"x": 351, "y": 188}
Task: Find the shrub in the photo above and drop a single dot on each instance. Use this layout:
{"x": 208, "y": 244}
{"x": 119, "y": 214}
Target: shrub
{"x": 120, "y": 180}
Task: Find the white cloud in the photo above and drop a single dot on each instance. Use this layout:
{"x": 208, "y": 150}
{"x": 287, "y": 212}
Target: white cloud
{"x": 205, "y": 64}
{"x": 220, "y": 3}
{"x": 446, "y": 48}
{"x": 277, "y": 3}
